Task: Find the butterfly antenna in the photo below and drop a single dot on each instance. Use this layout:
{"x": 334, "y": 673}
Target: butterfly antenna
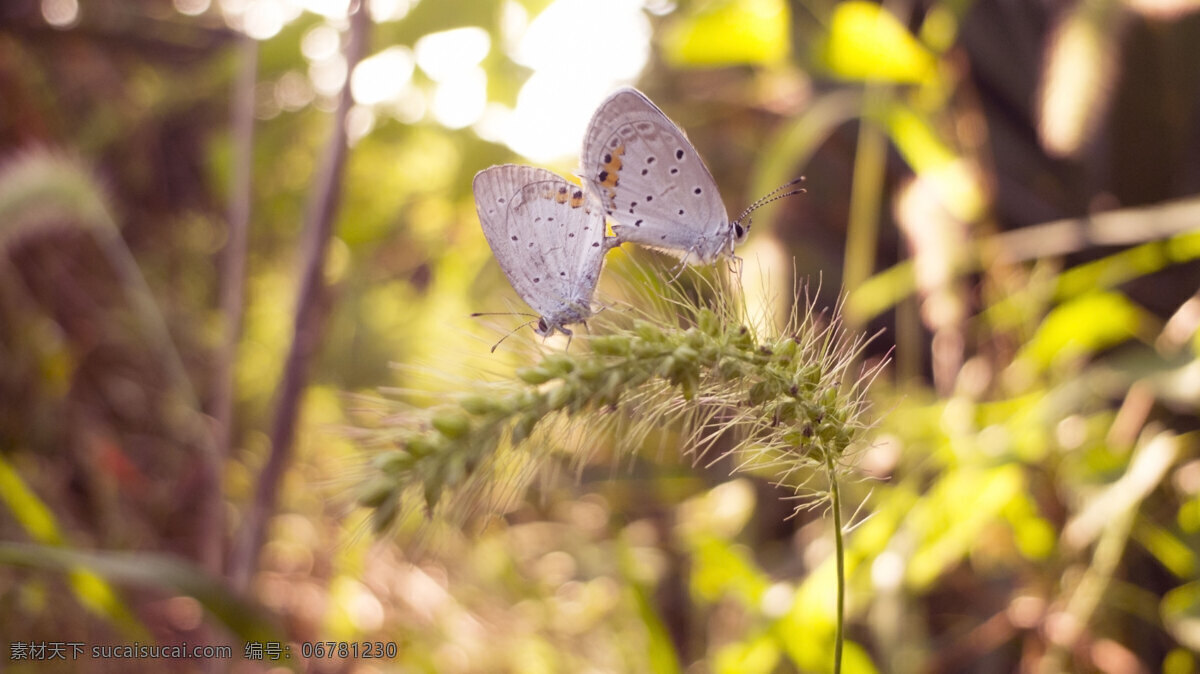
{"x": 503, "y": 313}
{"x": 510, "y": 332}
{"x": 773, "y": 196}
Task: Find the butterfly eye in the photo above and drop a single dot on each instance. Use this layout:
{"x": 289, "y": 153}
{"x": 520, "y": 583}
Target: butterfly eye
{"x": 542, "y": 327}
{"x": 739, "y": 230}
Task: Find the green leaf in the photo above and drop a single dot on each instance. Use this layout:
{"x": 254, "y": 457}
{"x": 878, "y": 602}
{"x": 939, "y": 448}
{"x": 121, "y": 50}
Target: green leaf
{"x": 729, "y": 32}
{"x": 1181, "y": 614}
{"x": 867, "y": 43}
{"x": 660, "y": 650}
{"x": 1083, "y": 326}
{"x": 950, "y": 531}
{"x": 248, "y": 620}
{"x": 759, "y": 653}
{"x": 724, "y": 569}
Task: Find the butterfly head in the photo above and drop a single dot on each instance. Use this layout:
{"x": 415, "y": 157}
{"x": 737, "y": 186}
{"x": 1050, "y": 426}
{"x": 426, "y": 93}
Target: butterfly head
{"x": 740, "y": 228}
{"x": 575, "y": 312}
{"x": 740, "y": 231}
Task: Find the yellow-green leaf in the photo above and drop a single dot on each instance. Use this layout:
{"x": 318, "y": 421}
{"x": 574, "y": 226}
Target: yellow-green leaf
{"x": 1083, "y": 326}
{"x": 730, "y": 32}
{"x": 867, "y": 43}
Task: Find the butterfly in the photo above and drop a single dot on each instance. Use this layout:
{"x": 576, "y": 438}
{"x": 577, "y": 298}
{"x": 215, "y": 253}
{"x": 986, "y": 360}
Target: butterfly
{"x": 653, "y": 184}
{"x": 548, "y": 236}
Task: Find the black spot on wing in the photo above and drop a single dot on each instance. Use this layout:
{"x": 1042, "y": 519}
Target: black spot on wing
{"x": 679, "y": 154}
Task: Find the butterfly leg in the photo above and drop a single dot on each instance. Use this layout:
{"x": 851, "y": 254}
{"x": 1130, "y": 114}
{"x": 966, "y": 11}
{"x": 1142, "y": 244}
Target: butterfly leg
{"x": 678, "y": 270}
{"x": 736, "y": 265}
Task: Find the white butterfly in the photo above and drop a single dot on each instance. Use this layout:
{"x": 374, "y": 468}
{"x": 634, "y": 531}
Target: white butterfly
{"x": 548, "y": 236}
{"x": 653, "y": 184}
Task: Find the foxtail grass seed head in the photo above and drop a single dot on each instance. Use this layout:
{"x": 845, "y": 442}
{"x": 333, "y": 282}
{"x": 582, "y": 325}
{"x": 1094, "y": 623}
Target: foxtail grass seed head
{"x": 780, "y": 401}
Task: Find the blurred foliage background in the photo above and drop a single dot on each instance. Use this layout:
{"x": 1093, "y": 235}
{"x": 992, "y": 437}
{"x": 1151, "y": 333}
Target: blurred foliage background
{"x": 1009, "y": 189}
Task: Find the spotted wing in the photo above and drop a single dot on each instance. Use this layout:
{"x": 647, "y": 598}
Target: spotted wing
{"x": 649, "y": 178}
{"x": 547, "y": 235}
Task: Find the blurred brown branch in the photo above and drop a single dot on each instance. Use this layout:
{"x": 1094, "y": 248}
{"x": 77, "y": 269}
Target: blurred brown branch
{"x": 309, "y": 312}
{"x": 233, "y": 292}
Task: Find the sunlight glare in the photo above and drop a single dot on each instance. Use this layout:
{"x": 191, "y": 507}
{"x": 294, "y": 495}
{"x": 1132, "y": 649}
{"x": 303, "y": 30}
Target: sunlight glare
{"x": 293, "y": 91}
{"x": 514, "y": 20}
{"x": 461, "y": 101}
{"x": 551, "y": 115}
{"x": 263, "y": 19}
{"x": 390, "y": 10}
{"x": 233, "y": 10}
{"x": 330, "y": 9}
{"x": 383, "y": 77}
{"x": 60, "y": 13}
{"x": 411, "y": 106}
{"x": 328, "y": 76}
{"x": 618, "y": 50}
{"x": 494, "y": 124}
{"x": 320, "y": 43}
{"x": 192, "y": 7}
{"x": 572, "y": 75}
{"x": 887, "y": 572}
{"x": 360, "y": 120}
{"x": 447, "y": 55}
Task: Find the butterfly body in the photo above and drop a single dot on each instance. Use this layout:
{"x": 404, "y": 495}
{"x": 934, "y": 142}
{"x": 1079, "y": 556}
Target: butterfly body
{"x": 652, "y": 183}
{"x": 548, "y": 237}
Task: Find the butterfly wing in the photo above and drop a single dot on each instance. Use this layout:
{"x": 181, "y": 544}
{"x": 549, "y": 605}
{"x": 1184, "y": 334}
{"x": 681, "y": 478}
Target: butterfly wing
{"x": 547, "y": 236}
{"x": 651, "y": 180}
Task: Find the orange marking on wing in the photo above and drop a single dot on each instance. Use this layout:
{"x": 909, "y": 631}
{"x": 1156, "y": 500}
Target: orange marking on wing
{"x": 613, "y": 166}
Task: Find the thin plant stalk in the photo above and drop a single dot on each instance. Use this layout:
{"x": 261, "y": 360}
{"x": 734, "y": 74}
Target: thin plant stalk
{"x": 839, "y": 552}
{"x": 233, "y": 290}
{"x": 866, "y": 197}
{"x": 310, "y": 309}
